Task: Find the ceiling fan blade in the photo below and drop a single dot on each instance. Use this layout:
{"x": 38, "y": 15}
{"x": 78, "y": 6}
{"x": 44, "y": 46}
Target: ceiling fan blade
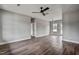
{"x": 35, "y": 12}
{"x": 45, "y": 9}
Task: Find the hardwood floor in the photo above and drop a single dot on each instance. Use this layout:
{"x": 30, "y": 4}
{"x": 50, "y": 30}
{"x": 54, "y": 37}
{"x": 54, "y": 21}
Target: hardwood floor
{"x": 70, "y": 48}
{"x": 48, "y": 45}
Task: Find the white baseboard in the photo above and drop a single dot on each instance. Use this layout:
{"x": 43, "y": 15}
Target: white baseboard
{"x": 12, "y": 41}
{"x": 19, "y": 40}
{"x": 41, "y": 35}
{"x": 71, "y": 41}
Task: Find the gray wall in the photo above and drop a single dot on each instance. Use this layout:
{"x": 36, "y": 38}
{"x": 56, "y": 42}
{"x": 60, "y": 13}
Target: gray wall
{"x": 42, "y": 28}
{"x": 71, "y": 26}
{"x": 14, "y": 27}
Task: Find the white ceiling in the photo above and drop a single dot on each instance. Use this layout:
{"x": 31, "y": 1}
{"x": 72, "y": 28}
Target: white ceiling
{"x": 27, "y": 9}
{"x": 70, "y": 7}
{"x": 55, "y": 10}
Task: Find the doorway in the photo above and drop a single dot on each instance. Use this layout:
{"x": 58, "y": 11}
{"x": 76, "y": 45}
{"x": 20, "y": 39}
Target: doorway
{"x": 56, "y": 33}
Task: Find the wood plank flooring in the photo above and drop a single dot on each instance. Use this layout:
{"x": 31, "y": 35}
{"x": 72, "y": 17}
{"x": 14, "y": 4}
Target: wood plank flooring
{"x": 70, "y": 48}
{"x": 48, "y": 45}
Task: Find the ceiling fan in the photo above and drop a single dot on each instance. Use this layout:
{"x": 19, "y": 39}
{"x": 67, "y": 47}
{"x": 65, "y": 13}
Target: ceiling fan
{"x": 42, "y": 10}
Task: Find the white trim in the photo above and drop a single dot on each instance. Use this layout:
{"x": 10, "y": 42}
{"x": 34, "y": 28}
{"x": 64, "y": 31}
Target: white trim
{"x": 12, "y": 41}
{"x": 29, "y": 38}
{"x": 19, "y": 40}
{"x": 71, "y": 41}
{"x": 41, "y": 35}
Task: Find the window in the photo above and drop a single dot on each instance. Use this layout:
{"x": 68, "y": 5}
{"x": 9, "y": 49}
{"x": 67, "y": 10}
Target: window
{"x": 55, "y": 27}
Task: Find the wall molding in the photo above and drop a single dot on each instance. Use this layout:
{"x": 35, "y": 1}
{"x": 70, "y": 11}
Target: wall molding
{"x": 37, "y": 36}
{"x": 20, "y": 40}
{"x": 71, "y": 41}
{"x": 12, "y": 41}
